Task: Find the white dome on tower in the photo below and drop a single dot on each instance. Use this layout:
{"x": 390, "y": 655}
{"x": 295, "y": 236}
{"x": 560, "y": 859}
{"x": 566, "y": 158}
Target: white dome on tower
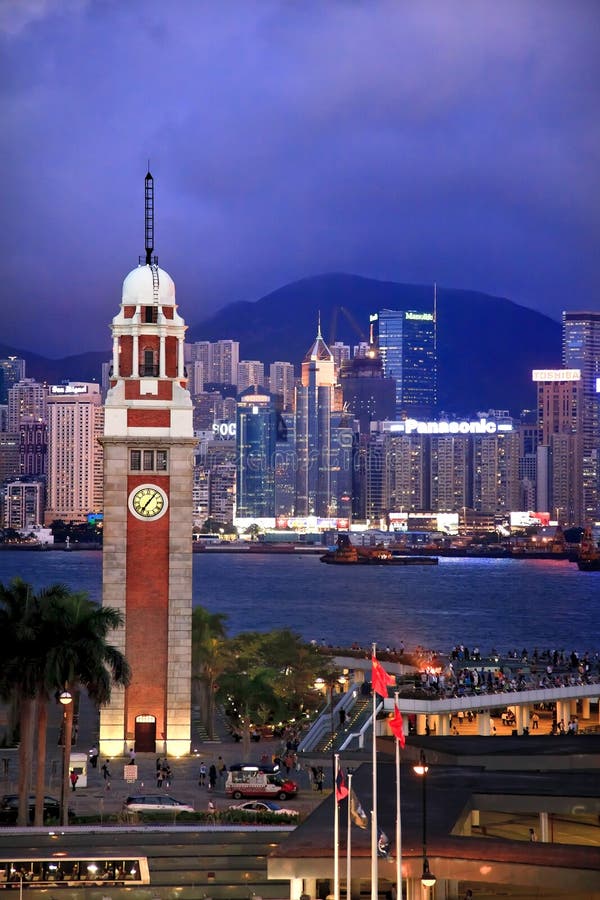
{"x": 138, "y": 287}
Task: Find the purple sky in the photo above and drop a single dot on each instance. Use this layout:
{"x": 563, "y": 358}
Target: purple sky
{"x": 411, "y": 140}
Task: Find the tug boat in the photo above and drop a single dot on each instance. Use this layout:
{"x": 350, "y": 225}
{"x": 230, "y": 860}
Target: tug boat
{"x": 589, "y": 553}
{"x": 346, "y": 554}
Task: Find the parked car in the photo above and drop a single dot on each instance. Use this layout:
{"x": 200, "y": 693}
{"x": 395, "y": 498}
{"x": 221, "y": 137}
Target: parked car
{"x": 9, "y": 808}
{"x": 264, "y": 806}
{"x": 155, "y": 803}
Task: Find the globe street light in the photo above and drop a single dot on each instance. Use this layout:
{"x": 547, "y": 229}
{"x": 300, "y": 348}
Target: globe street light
{"x": 65, "y": 698}
{"x": 427, "y": 878}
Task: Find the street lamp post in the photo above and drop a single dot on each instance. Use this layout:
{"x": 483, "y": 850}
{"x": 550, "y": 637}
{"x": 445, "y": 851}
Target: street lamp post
{"x": 66, "y": 699}
{"x": 427, "y": 878}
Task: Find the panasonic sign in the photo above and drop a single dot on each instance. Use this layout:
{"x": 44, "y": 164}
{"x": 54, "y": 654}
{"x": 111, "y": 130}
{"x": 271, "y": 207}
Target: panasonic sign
{"x": 479, "y": 426}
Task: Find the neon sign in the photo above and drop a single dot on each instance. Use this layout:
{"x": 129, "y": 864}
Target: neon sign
{"x": 479, "y": 426}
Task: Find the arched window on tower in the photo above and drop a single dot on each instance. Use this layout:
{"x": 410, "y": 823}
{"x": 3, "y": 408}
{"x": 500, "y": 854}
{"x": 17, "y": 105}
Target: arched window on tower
{"x": 149, "y": 365}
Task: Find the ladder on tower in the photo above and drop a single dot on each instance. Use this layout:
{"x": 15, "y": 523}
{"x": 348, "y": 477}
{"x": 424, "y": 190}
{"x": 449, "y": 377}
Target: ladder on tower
{"x": 155, "y": 283}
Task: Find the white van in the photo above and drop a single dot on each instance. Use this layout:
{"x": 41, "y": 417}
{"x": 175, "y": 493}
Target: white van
{"x": 259, "y": 781}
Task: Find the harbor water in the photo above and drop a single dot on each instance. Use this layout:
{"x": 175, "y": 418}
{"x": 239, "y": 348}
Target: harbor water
{"x": 490, "y": 603}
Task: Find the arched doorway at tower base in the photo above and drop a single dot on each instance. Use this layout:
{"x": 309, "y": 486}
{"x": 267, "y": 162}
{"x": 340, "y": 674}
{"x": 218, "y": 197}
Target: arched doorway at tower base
{"x": 145, "y": 734}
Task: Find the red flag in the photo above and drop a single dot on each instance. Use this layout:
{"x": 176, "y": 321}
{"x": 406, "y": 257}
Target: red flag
{"x": 396, "y": 725}
{"x": 381, "y": 679}
{"x": 341, "y": 789}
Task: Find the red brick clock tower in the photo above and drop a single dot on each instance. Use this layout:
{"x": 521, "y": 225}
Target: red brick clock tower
{"x": 147, "y": 559}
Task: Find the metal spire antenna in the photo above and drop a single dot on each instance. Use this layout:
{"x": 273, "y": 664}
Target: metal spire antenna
{"x": 149, "y": 216}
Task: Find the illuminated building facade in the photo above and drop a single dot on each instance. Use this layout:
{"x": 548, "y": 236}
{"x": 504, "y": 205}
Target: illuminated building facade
{"x": 407, "y": 344}
{"x": 74, "y": 481}
{"x": 561, "y": 488}
{"x": 581, "y": 350}
{"x": 256, "y": 437}
{"x": 148, "y": 444}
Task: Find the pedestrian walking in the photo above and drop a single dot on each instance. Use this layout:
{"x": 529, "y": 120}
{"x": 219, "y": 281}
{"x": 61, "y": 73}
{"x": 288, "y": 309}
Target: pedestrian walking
{"x": 202, "y": 775}
{"x": 131, "y": 756}
{"x": 159, "y": 777}
{"x": 212, "y": 777}
{"x": 73, "y": 778}
{"x": 320, "y": 779}
{"x": 106, "y": 774}
{"x": 93, "y": 755}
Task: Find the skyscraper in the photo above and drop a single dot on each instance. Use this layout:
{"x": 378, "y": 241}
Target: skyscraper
{"x": 225, "y": 356}
{"x": 250, "y": 373}
{"x": 12, "y": 370}
{"x": 560, "y": 453}
{"x": 256, "y": 435}
{"x": 314, "y": 405}
{"x": 281, "y": 381}
{"x": 407, "y": 344}
{"x": 75, "y": 421}
{"x": 367, "y": 393}
{"x": 581, "y": 350}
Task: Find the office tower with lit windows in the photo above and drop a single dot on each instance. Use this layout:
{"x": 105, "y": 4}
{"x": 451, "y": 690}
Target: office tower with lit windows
{"x": 561, "y": 489}
{"x": 340, "y": 353}
{"x": 368, "y": 394}
{"x": 75, "y": 423}
{"x": 250, "y": 373}
{"x": 581, "y": 350}
{"x": 282, "y": 382}
{"x": 256, "y": 435}
{"x": 407, "y": 343}
{"x": 315, "y": 402}
{"x": 12, "y": 370}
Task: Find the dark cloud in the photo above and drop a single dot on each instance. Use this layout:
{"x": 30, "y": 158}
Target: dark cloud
{"x": 415, "y": 140}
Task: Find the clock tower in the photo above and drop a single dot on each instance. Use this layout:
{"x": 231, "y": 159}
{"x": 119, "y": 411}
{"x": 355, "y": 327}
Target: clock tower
{"x": 148, "y": 447}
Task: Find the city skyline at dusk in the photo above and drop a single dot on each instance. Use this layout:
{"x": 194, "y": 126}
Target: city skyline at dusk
{"x": 404, "y": 142}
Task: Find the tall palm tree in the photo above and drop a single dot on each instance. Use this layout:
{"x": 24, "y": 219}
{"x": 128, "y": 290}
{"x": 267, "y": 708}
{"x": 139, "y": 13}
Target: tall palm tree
{"x": 49, "y": 641}
{"x": 20, "y": 651}
{"x": 81, "y": 656}
{"x": 208, "y": 660}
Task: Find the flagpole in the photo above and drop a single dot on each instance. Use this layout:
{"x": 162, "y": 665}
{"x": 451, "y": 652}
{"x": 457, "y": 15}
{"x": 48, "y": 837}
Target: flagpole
{"x": 398, "y": 819}
{"x": 336, "y": 829}
{"x": 349, "y": 841}
{"x": 374, "y": 867}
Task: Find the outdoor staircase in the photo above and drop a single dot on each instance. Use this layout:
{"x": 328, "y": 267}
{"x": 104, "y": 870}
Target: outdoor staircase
{"x": 359, "y": 713}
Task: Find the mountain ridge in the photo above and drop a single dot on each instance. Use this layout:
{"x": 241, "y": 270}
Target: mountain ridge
{"x": 487, "y": 345}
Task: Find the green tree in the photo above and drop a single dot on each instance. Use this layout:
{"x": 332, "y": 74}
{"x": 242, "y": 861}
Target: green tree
{"x": 209, "y": 658}
{"x": 269, "y": 678}
{"x": 48, "y": 642}
{"x": 82, "y": 657}
{"x": 19, "y": 674}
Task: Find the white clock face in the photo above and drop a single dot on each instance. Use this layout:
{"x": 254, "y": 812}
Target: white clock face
{"x": 148, "y": 502}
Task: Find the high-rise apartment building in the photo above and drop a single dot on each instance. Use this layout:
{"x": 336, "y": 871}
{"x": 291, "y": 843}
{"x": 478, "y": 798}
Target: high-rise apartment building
{"x": 75, "y": 423}
{"x": 407, "y": 344}
{"x": 33, "y": 448}
{"x": 26, "y": 403}
{"x": 225, "y": 357}
{"x": 496, "y": 486}
{"x": 451, "y": 481}
{"x": 282, "y": 382}
{"x": 581, "y": 350}
{"x": 250, "y": 373}
{"x": 23, "y": 504}
{"x": 561, "y": 489}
